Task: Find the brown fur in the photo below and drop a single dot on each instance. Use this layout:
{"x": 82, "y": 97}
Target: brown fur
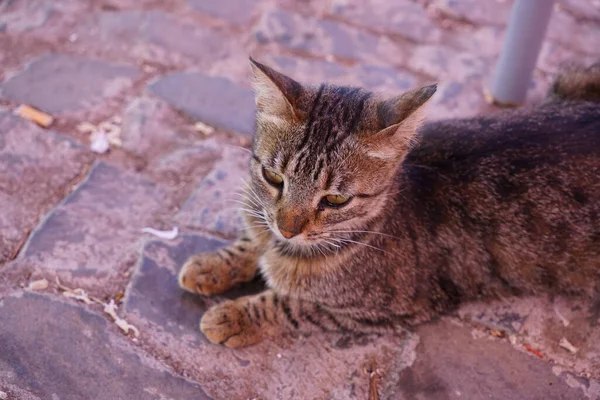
{"x": 453, "y": 212}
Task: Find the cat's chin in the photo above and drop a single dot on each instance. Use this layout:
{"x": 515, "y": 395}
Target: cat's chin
{"x": 304, "y": 249}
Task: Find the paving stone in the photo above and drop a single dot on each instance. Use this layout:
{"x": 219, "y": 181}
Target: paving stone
{"x": 554, "y": 55}
{"x": 153, "y": 36}
{"x": 543, "y": 324}
{"x": 373, "y": 77}
{"x": 214, "y": 100}
{"x": 55, "y": 350}
{"x": 406, "y": 19}
{"x": 93, "y": 236}
{"x": 451, "y": 364}
{"x": 151, "y": 128}
{"x": 586, "y": 9}
{"x": 485, "y": 41}
{"x": 154, "y": 293}
{"x": 23, "y": 16}
{"x": 211, "y": 207}
{"x": 580, "y": 36}
{"x": 495, "y": 12}
{"x": 234, "y": 11}
{"x": 446, "y": 63}
{"x": 326, "y": 38}
{"x": 37, "y": 168}
{"x": 62, "y": 83}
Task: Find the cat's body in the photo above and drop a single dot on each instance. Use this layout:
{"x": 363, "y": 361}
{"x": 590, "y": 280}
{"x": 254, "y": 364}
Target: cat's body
{"x": 461, "y": 210}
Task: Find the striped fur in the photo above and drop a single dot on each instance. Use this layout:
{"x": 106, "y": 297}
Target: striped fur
{"x": 507, "y": 204}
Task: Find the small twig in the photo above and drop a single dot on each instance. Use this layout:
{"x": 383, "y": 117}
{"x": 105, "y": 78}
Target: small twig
{"x": 533, "y": 351}
{"x": 373, "y": 375}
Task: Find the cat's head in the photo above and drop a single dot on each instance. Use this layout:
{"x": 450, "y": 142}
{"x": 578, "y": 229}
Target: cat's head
{"x": 324, "y": 158}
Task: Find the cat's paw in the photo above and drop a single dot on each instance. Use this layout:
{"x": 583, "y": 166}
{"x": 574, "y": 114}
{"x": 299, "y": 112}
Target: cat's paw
{"x": 228, "y": 324}
{"x": 205, "y": 273}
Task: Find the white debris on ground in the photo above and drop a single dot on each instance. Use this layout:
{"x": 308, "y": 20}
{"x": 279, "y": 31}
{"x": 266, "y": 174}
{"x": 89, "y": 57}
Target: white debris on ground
{"x": 201, "y": 127}
{"x": 3, "y": 395}
{"x": 111, "y": 309}
{"x": 78, "y": 294}
{"x": 565, "y": 344}
{"x": 169, "y": 235}
{"x": 103, "y": 135}
{"x": 40, "y": 284}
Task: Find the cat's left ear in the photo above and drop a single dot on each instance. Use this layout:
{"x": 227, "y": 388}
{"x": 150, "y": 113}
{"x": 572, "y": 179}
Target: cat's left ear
{"x": 397, "y": 121}
{"x": 276, "y": 94}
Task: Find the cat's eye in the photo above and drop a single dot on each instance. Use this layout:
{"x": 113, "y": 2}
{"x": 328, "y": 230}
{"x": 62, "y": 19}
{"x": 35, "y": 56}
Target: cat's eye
{"x": 335, "y": 200}
{"x": 272, "y": 177}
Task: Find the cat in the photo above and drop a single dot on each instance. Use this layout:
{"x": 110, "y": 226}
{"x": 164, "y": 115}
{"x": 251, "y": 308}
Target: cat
{"x": 361, "y": 219}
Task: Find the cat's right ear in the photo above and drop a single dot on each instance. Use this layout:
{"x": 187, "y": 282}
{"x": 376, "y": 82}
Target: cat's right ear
{"x": 277, "y": 96}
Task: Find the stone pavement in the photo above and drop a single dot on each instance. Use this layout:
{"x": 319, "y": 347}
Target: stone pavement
{"x": 161, "y": 66}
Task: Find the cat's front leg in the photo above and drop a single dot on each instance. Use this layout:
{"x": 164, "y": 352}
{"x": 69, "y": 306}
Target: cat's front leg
{"x": 218, "y": 271}
{"x": 249, "y": 319}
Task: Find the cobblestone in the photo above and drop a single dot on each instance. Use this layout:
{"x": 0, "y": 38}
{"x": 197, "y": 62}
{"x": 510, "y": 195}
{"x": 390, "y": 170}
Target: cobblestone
{"x": 374, "y": 77}
{"x": 212, "y": 99}
{"x": 54, "y": 350}
{"x": 152, "y": 36}
{"x": 406, "y": 19}
{"x": 37, "y": 168}
{"x": 164, "y": 65}
{"x": 211, "y": 207}
{"x": 234, "y": 11}
{"x": 92, "y": 237}
{"x": 326, "y": 38}
{"x": 61, "y": 83}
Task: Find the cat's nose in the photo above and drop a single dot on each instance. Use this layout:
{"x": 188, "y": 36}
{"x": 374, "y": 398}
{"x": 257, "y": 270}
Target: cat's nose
{"x": 291, "y": 225}
{"x": 287, "y": 234}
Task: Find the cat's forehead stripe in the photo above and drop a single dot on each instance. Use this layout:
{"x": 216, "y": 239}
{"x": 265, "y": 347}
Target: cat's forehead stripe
{"x": 335, "y": 115}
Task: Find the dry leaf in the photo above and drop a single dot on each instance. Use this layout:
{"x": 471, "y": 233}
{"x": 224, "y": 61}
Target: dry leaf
{"x": 497, "y": 333}
{"x": 86, "y": 127}
{"x": 111, "y": 309}
{"x": 38, "y": 285}
{"x": 78, "y": 294}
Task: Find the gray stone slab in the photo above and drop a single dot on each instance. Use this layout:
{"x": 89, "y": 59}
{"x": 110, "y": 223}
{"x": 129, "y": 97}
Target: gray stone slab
{"x": 214, "y": 100}
{"x": 233, "y": 11}
{"x": 495, "y": 12}
{"x": 326, "y": 38}
{"x": 62, "y": 83}
{"x": 407, "y": 19}
{"x": 154, "y": 36}
{"x": 378, "y": 78}
{"x": 37, "y": 169}
{"x": 154, "y": 293}
{"x": 93, "y": 236}
{"x": 212, "y": 205}
{"x": 54, "y": 350}
{"x": 451, "y": 364}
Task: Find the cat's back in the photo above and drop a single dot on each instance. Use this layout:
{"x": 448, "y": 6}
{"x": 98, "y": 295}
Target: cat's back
{"x": 518, "y": 192}
{"x": 567, "y": 129}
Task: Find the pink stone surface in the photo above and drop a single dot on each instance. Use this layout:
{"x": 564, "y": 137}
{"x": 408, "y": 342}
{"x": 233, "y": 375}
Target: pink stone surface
{"x": 162, "y": 66}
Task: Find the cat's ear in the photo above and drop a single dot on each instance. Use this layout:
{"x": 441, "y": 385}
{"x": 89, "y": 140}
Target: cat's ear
{"x": 397, "y": 121}
{"x": 276, "y": 94}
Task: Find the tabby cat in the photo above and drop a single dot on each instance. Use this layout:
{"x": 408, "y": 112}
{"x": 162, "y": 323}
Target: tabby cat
{"x": 361, "y": 220}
